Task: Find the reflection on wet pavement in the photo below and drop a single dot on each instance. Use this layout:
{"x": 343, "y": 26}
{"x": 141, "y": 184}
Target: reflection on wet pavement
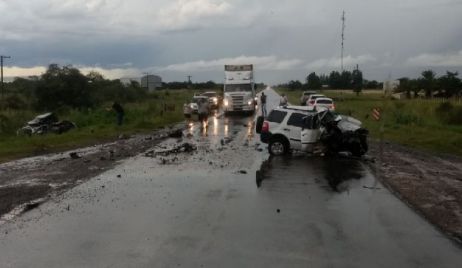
{"x": 335, "y": 171}
{"x": 339, "y": 170}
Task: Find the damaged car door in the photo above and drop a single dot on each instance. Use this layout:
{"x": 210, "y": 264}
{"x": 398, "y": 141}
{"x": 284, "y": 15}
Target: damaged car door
{"x": 294, "y": 128}
{"x": 310, "y": 133}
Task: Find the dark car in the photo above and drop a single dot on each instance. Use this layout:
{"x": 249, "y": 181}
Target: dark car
{"x": 45, "y": 123}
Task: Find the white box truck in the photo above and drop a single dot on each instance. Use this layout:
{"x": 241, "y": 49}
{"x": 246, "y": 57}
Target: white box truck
{"x": 239, "y": 89}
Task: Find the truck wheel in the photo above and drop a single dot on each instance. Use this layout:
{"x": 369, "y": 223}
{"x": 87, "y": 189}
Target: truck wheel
{"x": 259, "y": 124}
{"x": 278, "y": 146}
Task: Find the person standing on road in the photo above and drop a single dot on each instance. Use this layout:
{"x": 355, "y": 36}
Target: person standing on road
{"x": 263, "y": 104}
{"x": 284, "y": 101}
{"x": 119, "y": 112}
{"x": 203, "y": 111}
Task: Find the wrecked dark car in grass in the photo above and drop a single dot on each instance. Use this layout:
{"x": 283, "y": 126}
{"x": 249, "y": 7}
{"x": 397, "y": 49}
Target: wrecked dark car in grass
{"x": 46, "y": 123}
{"x": 305, "y": 129}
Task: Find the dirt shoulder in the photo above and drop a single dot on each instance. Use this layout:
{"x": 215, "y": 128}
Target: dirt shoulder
{"x": 430, "y": 184}
{"x": 26, "y": 183}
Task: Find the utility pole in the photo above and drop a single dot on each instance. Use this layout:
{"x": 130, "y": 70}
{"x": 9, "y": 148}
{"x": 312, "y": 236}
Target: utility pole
{"x": 343, "y": 38}
{"x": 189, "y": 82}
{"x": 1, "y": 68}
{"x": 147, "y": 80}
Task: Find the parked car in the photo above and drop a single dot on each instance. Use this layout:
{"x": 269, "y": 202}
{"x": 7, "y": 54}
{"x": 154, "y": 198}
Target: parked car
{"x": 305, "y": 96}
{"x": 327, "y": 103}
{"x": 44, "y": 123}
{"x": 192, "y": 108}
{"x": 214, "y": 99}
{"x": 304, "y": 129}
{"x": 312, "y": 98}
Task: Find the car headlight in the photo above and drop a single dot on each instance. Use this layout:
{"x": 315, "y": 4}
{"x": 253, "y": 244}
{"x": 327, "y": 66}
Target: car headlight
{"x": 215, "y": 99}
{"x": 225, "y": 102}
{"x": 249, "y": 102}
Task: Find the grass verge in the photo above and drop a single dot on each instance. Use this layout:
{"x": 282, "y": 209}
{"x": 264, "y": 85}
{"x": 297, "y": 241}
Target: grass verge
{"x": 94, "y": 126}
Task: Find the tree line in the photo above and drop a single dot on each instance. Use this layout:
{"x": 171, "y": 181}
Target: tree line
{"x": 447, "y": 85}
{"x": 66, "y": 86}
{"x": 335, "y": 80}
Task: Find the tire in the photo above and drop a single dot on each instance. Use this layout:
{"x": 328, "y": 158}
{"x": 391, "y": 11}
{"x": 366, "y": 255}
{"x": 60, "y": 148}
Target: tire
{"x": 278, "y": 146}
{"x": 259, "y": 124}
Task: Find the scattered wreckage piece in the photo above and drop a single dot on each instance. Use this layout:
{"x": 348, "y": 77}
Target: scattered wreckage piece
{"x": 176, "y": 134}
{"x": 44, "y": 123}
{"x": 305, "y": 129}
{"x": 183, "y": 148}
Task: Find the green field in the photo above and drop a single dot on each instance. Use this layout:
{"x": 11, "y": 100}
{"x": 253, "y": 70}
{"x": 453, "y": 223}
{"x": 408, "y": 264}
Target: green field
{"x": 94, "y": 126}
{"x": 413, "y": 122}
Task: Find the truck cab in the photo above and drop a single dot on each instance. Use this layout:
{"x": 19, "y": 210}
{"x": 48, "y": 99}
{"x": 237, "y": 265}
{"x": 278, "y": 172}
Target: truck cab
{"x": 239, "y": 89}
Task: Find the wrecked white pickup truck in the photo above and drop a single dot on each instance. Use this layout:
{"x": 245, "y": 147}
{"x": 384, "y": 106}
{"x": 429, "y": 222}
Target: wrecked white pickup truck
{"x": 304, "y": 129}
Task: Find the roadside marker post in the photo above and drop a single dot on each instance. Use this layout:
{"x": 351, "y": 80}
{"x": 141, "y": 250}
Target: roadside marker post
{"x": 377, "y": 115}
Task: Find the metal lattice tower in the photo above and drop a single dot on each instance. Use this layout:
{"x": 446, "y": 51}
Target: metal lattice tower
{"x": 343, "y": 39}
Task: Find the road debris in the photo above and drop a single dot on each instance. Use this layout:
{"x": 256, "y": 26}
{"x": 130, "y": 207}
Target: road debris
{"x": 372, "y": 188}
{"x": 225, "y": 141}
{"x": 74, "y": 155}
{"x": 176, "y": 134}
{"x": 183, "y": 148}
{"x": 31, "y": 206}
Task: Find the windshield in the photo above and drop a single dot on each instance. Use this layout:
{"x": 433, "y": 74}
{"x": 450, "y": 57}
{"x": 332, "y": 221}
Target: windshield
{"x": 324, "y": 101}
{"x": 238, "y": 87}
{"x": 196, "y": 100}
{"x": 209, "y": 94}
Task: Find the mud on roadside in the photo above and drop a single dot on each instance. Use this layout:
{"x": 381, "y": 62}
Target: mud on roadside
{"x": 26, "y": 183}
{"x": 430, "y": 184}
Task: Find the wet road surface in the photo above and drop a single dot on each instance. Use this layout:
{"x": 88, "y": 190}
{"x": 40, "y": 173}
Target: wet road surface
{"x": 226, "y": 204}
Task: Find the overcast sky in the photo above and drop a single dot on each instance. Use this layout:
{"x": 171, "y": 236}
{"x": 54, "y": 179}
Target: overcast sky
{"x": 284, "y": 39}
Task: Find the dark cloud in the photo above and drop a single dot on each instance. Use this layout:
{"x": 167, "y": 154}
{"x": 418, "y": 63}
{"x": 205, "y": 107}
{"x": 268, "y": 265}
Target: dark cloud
{"x": 287, "y": 39}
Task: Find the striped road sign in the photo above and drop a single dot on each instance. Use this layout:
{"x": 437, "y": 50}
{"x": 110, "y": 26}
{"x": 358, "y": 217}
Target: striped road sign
{"x": 376, "y": 114}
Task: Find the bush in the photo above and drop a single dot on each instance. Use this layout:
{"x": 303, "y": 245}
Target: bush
{"x": 449, "y": 114}
{"x": 10, "y": 121}
{"x": 406, "y": 118}
{"x": 13, "y": 102}
{"x": 399, "y": 105}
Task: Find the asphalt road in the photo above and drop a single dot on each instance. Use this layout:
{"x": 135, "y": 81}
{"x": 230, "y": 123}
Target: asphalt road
{"x": 227, "y": 204}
